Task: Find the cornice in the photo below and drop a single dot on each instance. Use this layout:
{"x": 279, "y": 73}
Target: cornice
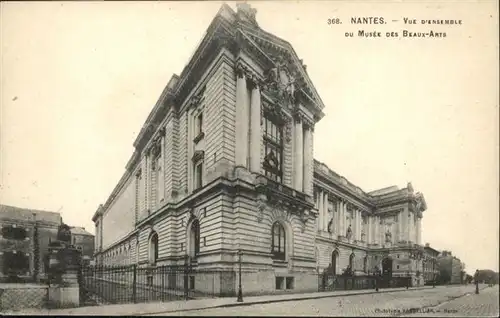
{"x": 195, "y": 95}
{"x": 332, "y": 181}
{"x": 347, "y": 195}
{"x": 129, "y": 236}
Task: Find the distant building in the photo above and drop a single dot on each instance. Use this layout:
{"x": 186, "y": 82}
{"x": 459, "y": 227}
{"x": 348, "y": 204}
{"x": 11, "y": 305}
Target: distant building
{"x": 431, "y": 268}
{"x": 452, "y": 265}
{"x": 17, "y": 245}
{"x": 83, "y": 241}
{"x": 20, "y": 256}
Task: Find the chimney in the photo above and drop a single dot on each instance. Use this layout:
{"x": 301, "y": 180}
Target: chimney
{"x": 427, "y": 245}
{"x": 245, "y": 12}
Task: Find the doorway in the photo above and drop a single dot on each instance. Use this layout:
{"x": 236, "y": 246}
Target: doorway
{"x": 335, "y": 256}
{"x": 387, "y": 267}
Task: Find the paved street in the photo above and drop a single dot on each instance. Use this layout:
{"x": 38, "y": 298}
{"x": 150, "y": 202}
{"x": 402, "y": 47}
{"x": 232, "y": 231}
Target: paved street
{"x": 386, "y": 304}
{"x": 483, "y": 305}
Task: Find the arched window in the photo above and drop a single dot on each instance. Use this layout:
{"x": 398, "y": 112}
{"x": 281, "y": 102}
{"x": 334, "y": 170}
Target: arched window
{"x": 351, "y": 261}
{"x": 335, "y": 256}
{"x": 153, "y": 249}
{"x": 137, "y": 252}
{"x": 278, "y": 248}
{"x": 194, "y": 238}
{"x": 273, "y": 146}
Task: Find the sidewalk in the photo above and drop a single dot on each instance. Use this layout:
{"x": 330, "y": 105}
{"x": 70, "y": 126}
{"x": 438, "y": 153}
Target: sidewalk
{"x": 197, "y": 304}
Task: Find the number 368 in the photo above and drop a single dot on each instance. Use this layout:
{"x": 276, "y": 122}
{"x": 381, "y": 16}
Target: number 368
{"x": 333, "y": 21}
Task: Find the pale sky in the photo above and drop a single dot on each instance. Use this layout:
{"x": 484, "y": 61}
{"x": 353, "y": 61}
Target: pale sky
{"x": 79, "y": 79}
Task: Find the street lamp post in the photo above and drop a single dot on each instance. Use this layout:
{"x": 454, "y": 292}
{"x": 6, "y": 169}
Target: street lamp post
{"x": 476, "y": 277}
{"x": 240, "y": 293}
{"x": 434, "y": 272}
{"x": 36, "y": 250}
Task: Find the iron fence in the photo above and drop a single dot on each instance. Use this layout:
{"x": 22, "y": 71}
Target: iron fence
{"x": 329, "y": 282}
{"x": 133, "y": 284}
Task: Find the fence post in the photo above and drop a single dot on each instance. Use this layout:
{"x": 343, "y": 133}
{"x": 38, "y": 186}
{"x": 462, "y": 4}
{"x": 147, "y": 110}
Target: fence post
{"x": 186, "y": 279}
{"x": 134, "y": 284}
{"x": 162, "y": 273}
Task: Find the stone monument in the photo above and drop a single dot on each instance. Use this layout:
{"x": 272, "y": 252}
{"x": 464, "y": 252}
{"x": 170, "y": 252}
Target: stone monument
{"x": 63, "y": 266}
{"x": 349, "y": 233}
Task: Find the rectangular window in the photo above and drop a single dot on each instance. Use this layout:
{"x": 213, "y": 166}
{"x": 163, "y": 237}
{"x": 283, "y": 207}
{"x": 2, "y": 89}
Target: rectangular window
{"x": 154, "y": 181}
{"x": 198, "y": 128}
{"x": 198, "y": 175}
{"x": 13, "y": 232}
{"x": 157, "y": 180}
{"x": 16, "y": 263}
{"x": 273, "y": 148}
{"x": 280, "y": 282}
{"x": 289, "y": 282}
{"x": 199, "y": 123}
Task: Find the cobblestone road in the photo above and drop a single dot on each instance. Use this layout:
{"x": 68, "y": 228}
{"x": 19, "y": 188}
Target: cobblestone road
{"x": 383, "y": 304}
{"x": 471, "y": 305}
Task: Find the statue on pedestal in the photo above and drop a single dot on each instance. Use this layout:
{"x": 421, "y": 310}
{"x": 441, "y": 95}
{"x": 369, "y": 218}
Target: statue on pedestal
{"x": 331, "y": 226}
{"x": 349, "y": 232}
{"x": 388, "y": 236}
{"x": 63, "y": 257}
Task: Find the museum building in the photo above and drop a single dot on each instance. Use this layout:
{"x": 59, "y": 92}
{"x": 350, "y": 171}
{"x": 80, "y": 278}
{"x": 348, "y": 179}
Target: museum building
{"x": 223, "y": 168}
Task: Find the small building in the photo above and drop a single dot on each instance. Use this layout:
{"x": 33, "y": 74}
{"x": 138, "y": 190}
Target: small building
{"x": 431, "y": 268}
{"x": 25, "y": 235}
{"x": 451, "y": 265}
{"x": 83, "y": 241}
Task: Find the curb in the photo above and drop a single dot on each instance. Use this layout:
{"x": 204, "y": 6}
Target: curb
{"x": 259, "y": 302}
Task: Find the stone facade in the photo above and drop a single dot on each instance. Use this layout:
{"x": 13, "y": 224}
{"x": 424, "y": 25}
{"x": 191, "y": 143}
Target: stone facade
{"x": 18, "y": 251}
{"x": 431, "y": 266}
{"x": 224, "y": 163}
{"x": 452, "y": 265}
{"x": 83, "y": 241}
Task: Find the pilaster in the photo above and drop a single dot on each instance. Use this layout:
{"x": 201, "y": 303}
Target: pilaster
{"x": 338, "y": 218}
{"x": 308, "y": 160}
{"x": 320, "y": 208}
{"x": 255, "y": 128}
{"x": 190, "y": 149}
{"x": 161, "y": 183}
{"x": 325, "y": 213}
{"x": 299, "y": 153}
{"x": 419, "y": 231}
{"x": 401, "y": 217}
{"x": 241, "y": 125}
{"x": 369, "y": 222}
{"x": 147, "y": 181}
{"x": 342, "y": 217}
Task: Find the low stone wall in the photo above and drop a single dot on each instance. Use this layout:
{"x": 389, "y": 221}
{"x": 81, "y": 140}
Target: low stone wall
{"x": 269, "y": 282}
{"x": 21, "y": 296}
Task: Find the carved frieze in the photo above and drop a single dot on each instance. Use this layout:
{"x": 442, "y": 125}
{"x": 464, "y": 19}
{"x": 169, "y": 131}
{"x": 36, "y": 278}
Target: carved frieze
{"x": 279, "y": 83}
{"x": 197, "y": 98}
{"x": 198, "y": 155}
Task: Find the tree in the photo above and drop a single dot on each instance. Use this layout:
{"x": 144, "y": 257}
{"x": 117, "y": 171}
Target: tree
{"x": 469, "y": 278}
{"x": 488, "y": 276}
